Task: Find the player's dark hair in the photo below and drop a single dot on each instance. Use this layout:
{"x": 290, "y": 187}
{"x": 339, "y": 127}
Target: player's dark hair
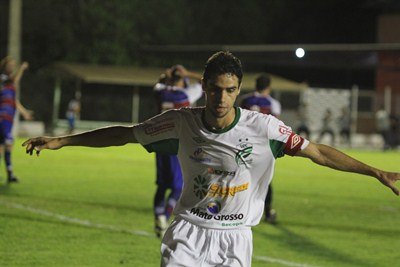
{"x": 3, "y": 63}
{"x": 175, "y": 76}
{"x": 262, "y": 82}
{"x": 221, "y": 63}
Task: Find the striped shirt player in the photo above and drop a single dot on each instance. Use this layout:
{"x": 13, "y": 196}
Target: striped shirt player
{"x": 7, "y": 108}
{"x": 225, "y": 184}
{"x": 7, "y": 113}
{"x": 260, "y": 100}
{"x": 10, "y": 77}
{"x": 265, "y": 104}
{"x": 169, "y": 175}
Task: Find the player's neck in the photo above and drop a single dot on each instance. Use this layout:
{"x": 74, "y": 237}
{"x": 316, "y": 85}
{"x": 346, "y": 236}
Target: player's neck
{"x": 216, "y": 123}
{"x": 265, "y": 92}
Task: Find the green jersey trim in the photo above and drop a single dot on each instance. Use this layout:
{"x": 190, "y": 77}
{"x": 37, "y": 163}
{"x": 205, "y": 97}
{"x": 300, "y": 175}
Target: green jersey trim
{"x": 166, "y": 146}
{"x": 223, "y": 130}
{"x": 277, "y": 148}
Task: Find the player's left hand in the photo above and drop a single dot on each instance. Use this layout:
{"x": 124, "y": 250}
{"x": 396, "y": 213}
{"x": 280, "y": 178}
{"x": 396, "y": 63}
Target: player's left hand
{"x": 389, "y": 179}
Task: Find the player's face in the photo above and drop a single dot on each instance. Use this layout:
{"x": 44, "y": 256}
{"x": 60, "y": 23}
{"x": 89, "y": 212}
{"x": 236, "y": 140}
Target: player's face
{"x": 221, "y": 94}
{"x": 10, "y": 66}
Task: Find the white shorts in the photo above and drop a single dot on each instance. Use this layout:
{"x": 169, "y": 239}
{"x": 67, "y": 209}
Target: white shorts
{"x": 186, "y": 244}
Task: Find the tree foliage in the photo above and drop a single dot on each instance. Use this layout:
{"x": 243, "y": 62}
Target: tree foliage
{"x": 112, "y": 31}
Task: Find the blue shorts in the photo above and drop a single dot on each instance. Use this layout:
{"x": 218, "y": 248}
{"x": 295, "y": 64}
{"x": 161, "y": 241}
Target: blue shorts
{"x": 169, "y": 172}
{"x": 6, "y": 132}
{"x": 71, "y": 122}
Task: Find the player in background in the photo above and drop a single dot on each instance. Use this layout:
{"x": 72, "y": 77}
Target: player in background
{"x": 10, "y": 78}
{"x": 303, "y": 129}
{"x": 73, "y": 111}
{"x": 382, "y": 121}
{"x": 227, "y": 156}
{"x": 327, "y": 127}
{"x": 261, "y": 100}
{"x": 344, "y": 123}
{"x": 172, "y": 92}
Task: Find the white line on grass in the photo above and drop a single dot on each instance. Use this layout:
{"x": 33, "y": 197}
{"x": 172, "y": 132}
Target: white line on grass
{"x": 113, "y": 228}
{"x": 64, "y": 218}
{"x": 282, "y": 262}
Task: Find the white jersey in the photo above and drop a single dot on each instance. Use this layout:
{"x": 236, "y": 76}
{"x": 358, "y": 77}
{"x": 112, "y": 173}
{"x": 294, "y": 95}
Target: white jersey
{"x": 227, "y": 172}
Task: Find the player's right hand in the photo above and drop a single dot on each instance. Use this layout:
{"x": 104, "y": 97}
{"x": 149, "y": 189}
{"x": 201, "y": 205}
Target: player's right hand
{"x": 25, "y": 65}
{"x": 39, "y": 143}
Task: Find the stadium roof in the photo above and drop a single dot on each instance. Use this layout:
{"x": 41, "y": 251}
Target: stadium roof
{"x": 140, "y": 76}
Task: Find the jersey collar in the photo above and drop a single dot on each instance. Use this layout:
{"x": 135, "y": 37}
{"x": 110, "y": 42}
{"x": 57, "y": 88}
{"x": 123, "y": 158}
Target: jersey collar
{"x": 223, "y": 130}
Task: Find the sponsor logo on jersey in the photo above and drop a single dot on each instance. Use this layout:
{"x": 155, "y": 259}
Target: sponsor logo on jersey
{"x": 220, "y": 172}
{"x": 295, "y": 141}
{"x": 293, "y": 144}
{"x": 198, "y": 156}
{"x": 217, "y": 190}
{"x": 159, "y": 128}
{"x": 214, "y": 207}
{"x": 231, "y": 224}
{"x": 283, "y": 129}
{"x": 218, "y": 217}
{"x": 243, "y": 156}
{"x": 201, "y": 185}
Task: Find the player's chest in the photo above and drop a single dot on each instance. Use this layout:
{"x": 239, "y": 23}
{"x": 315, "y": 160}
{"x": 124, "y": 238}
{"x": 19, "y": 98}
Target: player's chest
{"x": 228, "y": 151}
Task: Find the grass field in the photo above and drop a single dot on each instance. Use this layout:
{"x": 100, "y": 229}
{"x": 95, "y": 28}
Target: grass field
{"x": 93, "y": 207}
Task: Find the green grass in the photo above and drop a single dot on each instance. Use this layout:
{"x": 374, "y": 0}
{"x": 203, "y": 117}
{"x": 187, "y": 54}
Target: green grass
{"x": 326, "y": 218}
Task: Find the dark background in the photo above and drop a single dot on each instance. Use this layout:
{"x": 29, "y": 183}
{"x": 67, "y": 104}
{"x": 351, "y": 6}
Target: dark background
{"x": 116, "y": 32}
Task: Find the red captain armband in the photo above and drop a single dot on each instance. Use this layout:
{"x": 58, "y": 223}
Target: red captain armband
{"x": 293, "y": 144}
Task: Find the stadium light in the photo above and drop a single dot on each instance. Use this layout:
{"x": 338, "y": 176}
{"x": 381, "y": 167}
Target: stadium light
{"x": 300, "y": 52}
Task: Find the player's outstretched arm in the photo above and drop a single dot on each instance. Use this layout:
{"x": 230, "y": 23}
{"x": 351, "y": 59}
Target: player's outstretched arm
{"x": 330, "y": 157}
{"x": 102, "y": 137}
{"x": 27, "y": 114}
{"x": 16, "y": 77}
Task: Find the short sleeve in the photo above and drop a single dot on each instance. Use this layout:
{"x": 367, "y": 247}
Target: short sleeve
{"x": 160, "y": 133}
{"x": 283, "y": 140}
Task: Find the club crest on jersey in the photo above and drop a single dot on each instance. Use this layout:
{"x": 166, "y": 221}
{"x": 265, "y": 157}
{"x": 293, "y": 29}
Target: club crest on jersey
{"x": 245, "y": 149}
{"x": 200, "y": 187}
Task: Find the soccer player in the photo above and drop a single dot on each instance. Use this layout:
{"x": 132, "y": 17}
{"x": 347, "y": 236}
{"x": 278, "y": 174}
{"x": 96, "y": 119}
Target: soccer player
{"x": 261, "y": 100}
{"x": 227, "y": 155}
{"x": 10, "y": 77}
{"x": 172, "y": 92}
{"x": 344, "y": 122}
{"x": 73, "y": 111}
{"x": 326, "y": 127}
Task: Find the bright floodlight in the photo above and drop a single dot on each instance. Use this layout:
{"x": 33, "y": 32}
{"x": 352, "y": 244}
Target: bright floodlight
{"x": 300, "y": 52}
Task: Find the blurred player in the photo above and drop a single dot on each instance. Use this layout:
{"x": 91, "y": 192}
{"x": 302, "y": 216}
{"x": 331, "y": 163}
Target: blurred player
{"x": 10, "y": 78}
{"x": 73, "y": 111}
{"x": 227, "y": 156}
{"x": 326, "y": 127}
{"x": 261, "y": 100}
{"x": 173, "y": 91}
{"x": 344, "y": 122}
{"x": 303, "y": 129}
{"x": 382, "y": 120}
